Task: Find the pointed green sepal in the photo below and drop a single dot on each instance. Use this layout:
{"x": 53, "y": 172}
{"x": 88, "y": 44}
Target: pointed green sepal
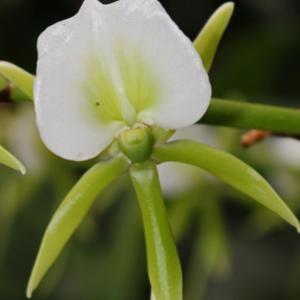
{"x": 70, "y": 214}
{"x": 9, "y": 160}
{"x": 21, "y": 80}
{"x": 164, "y": 267}
{"x": 210, "y": 36}
{"x": 229, "y": 169}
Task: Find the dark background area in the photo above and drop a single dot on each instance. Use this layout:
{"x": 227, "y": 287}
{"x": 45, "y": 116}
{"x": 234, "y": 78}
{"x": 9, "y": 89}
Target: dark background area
{"x": 258, "y": 61}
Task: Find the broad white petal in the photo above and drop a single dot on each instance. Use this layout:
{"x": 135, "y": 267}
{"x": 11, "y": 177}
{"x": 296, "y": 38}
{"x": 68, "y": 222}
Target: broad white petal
{"x": 162, "y": 65}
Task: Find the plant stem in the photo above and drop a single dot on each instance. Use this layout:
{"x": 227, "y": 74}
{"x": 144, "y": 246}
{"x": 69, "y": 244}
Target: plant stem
{"x": 252, "y": 116}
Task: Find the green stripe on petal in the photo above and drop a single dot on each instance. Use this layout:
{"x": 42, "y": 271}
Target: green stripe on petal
{"x": 70, "y": 214}
{"x": 229, "y": 169}
{"x": 210, "y": 36}
{"x": 141, "y": 82}
{"x": 100, "y": 90}
{"x": 9, "y": 160}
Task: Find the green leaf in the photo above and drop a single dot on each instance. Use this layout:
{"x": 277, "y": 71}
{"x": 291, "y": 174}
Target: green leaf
{"x": 163, "y": 262}
{"x": 229, "y": 169}
{"x": 19, "y": 78}
{"x": 9, "y": 160}
{"x": 70, "y": 213}
{"x": 210, "y": 36}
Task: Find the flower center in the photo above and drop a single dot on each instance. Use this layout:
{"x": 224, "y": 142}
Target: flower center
{"x": 136, "y": 143}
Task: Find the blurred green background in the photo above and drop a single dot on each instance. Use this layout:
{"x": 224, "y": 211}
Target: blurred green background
{"x": 231, "y": 248}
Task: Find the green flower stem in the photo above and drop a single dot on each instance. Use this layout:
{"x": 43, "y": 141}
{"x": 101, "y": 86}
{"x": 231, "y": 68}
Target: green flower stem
{"x": 163, "y": 262}
{"x": 70, "y": 213}
{"x": 252, "y": 116}
{"x": 230, "y": 170}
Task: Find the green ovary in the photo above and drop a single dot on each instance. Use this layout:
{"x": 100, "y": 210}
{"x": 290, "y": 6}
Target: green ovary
{"x": 133, "y": 83}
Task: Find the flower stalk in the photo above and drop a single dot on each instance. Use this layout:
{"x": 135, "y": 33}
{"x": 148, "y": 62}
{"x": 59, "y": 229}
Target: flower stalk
{"x": 164, "y": 267}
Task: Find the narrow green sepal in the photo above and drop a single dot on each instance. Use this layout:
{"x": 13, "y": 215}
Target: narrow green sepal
{"x": 210, "y": 36}
{"x": 164, "y": 267}
{"x": 22, "y": 82}
{"x": 7, "y": 159}
{"x": 70, "y": 214}
{"x": 229, "y": 169}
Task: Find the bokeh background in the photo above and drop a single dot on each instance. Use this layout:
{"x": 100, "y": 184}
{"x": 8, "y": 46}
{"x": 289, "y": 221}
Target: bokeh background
{"x": 231, "y": 248}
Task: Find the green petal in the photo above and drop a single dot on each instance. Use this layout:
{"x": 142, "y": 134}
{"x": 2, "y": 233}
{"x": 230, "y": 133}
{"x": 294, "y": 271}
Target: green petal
{"x": 9, "y": 160}
{"x": 229, "y": 169}
{"x": 19, "y": 78}
{"x": 70, "y": 213}
{"x": 210, "y": 36}
{"x": 163, "y": 262}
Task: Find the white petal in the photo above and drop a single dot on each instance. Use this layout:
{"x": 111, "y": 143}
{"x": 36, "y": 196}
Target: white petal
{"x": 180, "y": 82}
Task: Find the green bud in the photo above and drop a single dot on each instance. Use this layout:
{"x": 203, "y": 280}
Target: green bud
{"x": 136, "y": 143}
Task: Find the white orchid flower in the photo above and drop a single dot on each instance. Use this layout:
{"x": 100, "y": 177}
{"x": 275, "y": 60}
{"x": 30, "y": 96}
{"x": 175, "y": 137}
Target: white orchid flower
{"x": 113, "y": 66}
